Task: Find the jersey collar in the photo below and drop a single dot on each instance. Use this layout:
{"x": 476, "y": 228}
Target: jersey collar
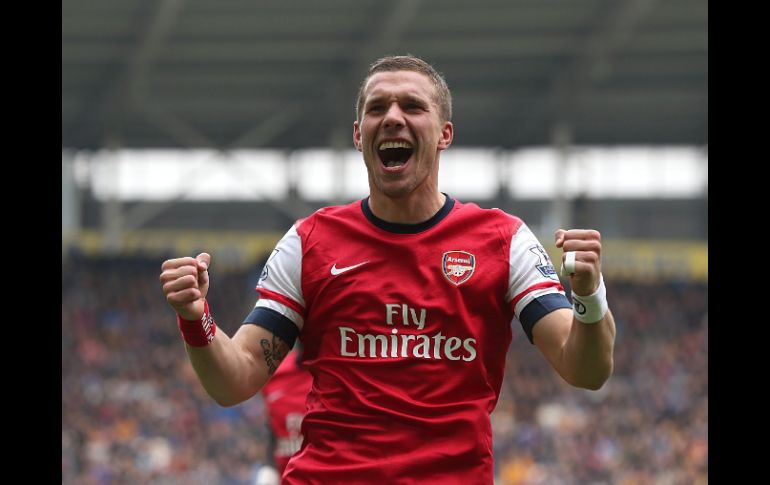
{"x": 399, "y": 228}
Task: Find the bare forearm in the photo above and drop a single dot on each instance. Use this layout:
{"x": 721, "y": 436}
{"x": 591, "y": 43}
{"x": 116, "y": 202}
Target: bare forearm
{"x": 229, "y": 372}
{"x": 588, "y": 352}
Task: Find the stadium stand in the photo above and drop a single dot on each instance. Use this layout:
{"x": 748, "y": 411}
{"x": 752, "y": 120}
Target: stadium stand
{"x": 133, "y": 411}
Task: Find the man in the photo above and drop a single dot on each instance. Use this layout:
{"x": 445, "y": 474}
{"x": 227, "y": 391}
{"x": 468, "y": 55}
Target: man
{"x": 403, "y": 302}
{"x": 284, "y": 398}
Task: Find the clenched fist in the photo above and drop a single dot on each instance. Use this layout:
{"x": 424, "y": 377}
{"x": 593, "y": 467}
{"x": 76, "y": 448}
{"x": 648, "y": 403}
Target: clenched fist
{"x": 585, "y": 270}
{"x": 185, "y": 283}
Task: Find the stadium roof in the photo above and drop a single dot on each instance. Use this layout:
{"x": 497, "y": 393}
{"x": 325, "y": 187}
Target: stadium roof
{"x": 284, "y": 74}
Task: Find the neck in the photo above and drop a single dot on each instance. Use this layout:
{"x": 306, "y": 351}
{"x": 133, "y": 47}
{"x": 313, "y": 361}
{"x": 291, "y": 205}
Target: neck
{"x": 411, "y": 209}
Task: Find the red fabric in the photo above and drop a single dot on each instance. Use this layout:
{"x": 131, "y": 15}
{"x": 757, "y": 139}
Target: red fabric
{"x": 198, "y": 333}
{"x": 405, "y": 335}
{"x": 420, "y": 413}
{"x": 284, "y": 396}
{"x": 539, "y": 286}
{"x": 272, "y": 295}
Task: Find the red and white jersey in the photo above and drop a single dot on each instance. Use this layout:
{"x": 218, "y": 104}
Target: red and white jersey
{"x": 405, "y": 330}
{"x": 284, "y": 396}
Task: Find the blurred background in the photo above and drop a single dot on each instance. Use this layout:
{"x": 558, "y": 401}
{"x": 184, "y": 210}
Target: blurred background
{"x": 203, "y": 125}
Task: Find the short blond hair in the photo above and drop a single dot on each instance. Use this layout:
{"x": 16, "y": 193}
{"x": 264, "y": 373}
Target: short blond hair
{"x": 443, "y": 98}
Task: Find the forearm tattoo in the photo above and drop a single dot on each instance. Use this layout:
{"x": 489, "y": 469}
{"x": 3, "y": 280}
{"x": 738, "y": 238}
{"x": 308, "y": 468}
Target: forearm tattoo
{"x": 274, "y": 353}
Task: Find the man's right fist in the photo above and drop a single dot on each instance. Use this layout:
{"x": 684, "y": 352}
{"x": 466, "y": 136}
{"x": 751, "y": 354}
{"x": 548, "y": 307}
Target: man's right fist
{"x": 185, "y": 283}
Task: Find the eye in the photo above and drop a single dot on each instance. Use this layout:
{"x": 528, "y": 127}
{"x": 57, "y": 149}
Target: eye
{"x": 413, "y": 107}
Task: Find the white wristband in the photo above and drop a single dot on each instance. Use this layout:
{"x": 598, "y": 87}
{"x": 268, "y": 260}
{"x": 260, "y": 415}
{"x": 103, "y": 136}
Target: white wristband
{"x": 592, "y": 308}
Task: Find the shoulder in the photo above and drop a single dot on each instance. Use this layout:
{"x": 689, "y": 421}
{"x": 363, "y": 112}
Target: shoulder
{"x": 327, "y": 215}
{"x": 472, "y": 213}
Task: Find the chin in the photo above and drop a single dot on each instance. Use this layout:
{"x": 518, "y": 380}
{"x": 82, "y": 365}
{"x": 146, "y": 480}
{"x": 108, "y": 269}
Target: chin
{"x": 394, "y": 191}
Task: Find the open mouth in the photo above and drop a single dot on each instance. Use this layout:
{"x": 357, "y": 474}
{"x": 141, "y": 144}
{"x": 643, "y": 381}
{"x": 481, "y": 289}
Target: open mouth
{"x": 394, "y": 153}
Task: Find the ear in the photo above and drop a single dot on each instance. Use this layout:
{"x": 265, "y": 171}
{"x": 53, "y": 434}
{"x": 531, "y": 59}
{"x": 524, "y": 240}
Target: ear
{"x": 447, "y": 134}
{"x": 357, "y": 136}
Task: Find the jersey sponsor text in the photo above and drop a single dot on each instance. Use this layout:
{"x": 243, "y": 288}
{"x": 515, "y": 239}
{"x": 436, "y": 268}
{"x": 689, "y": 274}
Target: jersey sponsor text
{"x": 395, "y": 345}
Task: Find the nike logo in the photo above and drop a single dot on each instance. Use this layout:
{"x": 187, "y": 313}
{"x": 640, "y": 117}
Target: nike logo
{"x": 336, "y": 270}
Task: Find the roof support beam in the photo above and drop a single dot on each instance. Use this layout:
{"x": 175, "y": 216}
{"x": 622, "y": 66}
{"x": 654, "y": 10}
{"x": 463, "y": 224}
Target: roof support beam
{"x": 383, "y": 41}
{"x": 592, "y": 62}
{"x": 594, "y": 57}
{"x": 126, "y": 87}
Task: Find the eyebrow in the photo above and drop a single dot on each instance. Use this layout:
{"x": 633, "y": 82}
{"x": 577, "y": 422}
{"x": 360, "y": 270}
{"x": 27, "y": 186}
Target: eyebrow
{"x": 406, "y": 97}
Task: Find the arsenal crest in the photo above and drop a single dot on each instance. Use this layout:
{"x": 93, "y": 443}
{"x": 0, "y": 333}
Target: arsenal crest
{"x": 458, "y": 266}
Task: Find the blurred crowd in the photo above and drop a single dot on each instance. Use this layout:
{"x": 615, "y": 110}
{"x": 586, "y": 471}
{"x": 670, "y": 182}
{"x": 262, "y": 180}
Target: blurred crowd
{"x": 647, "y": 425}
{"x": 133, "y": 411}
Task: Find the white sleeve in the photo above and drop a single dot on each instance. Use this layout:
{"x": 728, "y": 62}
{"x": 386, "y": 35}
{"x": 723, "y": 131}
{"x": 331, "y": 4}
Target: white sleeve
{"x": 280, "y": 284}
{"x": 531, "y": 273}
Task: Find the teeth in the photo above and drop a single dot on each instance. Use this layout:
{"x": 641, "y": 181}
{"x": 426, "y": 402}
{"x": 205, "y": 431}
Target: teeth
{"x": 394, "y": 144}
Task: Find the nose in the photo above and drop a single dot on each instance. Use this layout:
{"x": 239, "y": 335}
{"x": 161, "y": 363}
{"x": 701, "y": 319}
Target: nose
{"x": 394, "y": 117}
